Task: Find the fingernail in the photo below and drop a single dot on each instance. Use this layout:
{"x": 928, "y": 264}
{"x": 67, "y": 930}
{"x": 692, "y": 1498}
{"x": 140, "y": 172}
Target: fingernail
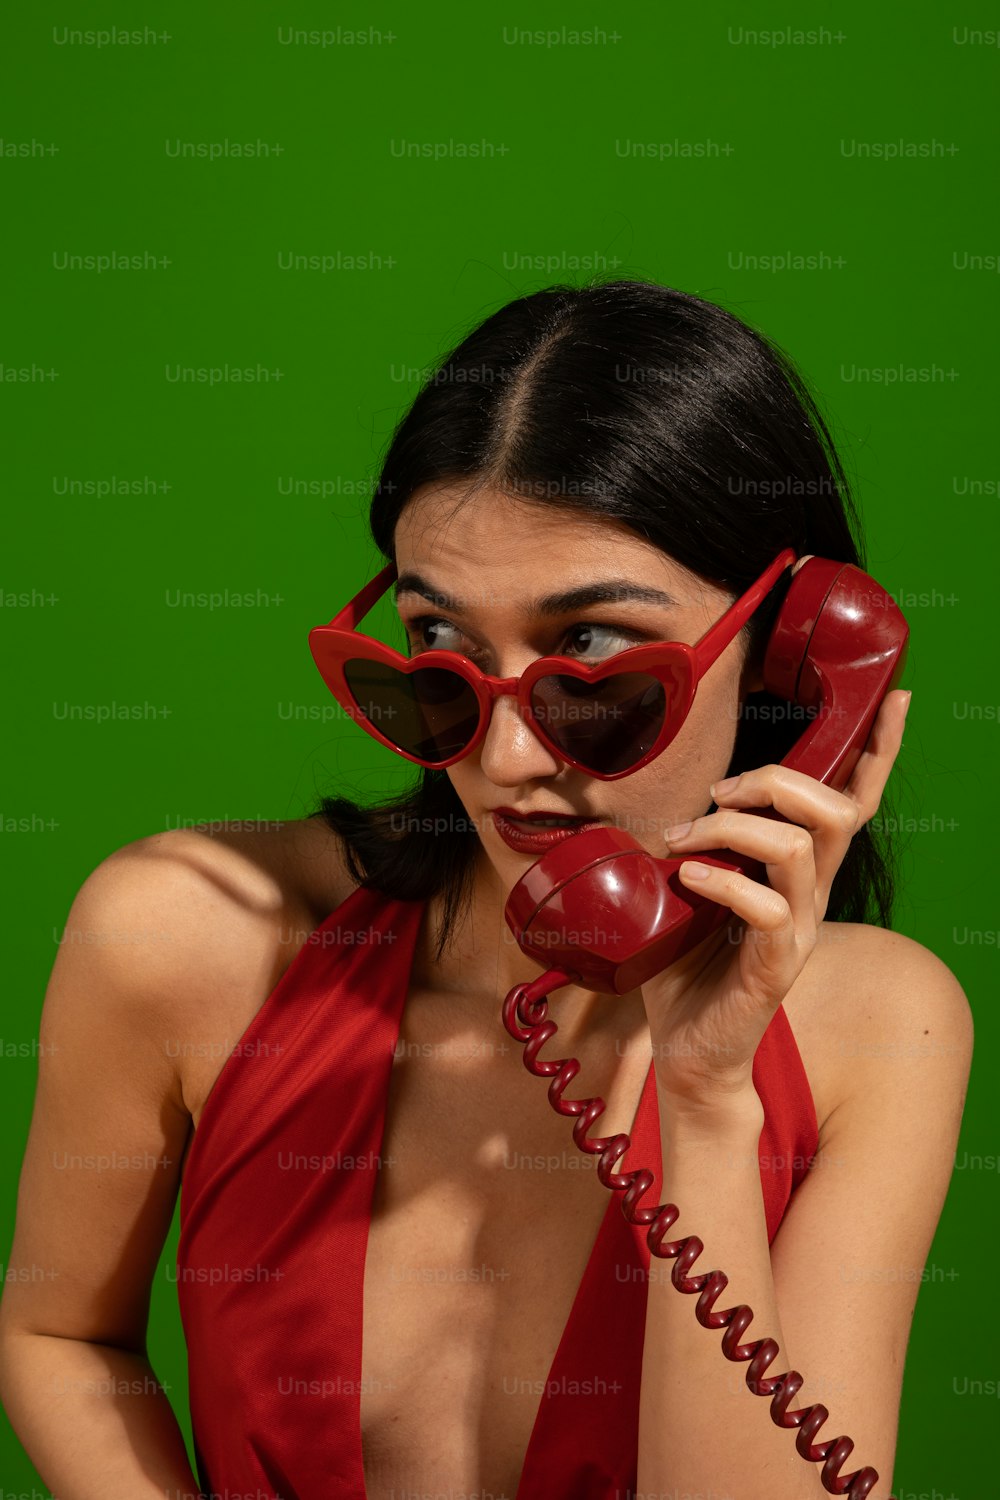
{"x": 695, "y": 870}
{"x": 723, "y": 786}
{"x": 906, "y": 710}
{"x": 677, "y": 831}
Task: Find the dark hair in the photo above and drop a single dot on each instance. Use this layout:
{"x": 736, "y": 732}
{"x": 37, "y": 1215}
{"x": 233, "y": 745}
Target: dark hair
{"x": 660, "y": 410}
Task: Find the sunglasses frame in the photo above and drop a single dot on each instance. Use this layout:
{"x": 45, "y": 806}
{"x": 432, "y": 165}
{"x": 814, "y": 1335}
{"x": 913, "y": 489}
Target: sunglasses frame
{"x": 678, "y": 666}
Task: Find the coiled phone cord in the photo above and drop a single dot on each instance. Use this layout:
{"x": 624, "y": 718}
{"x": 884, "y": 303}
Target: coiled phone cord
{"x": 524, "y": 1015}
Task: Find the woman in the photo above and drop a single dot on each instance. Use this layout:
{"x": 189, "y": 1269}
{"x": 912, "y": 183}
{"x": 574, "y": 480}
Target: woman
{"x": 438, "y": 1299}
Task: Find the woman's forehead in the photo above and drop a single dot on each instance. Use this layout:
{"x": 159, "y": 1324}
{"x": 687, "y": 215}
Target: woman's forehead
{"x": 492, "y": 544}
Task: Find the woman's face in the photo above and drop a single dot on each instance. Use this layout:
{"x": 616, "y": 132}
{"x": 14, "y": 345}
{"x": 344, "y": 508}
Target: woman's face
{"x": 493, "y": 556}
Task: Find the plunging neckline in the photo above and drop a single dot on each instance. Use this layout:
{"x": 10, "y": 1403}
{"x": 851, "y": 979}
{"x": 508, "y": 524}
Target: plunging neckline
{"x": 635, "y": 1157}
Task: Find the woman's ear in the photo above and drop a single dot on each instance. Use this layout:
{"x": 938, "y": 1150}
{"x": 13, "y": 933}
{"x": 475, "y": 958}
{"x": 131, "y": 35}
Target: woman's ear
{"x": 751, "y": 676}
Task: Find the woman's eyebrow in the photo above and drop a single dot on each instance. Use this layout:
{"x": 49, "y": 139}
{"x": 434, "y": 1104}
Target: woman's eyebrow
{"x": 606, "y": 591}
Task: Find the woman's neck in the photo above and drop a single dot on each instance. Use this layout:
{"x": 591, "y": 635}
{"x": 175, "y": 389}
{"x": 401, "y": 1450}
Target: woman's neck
{"x": 482, "y": 962}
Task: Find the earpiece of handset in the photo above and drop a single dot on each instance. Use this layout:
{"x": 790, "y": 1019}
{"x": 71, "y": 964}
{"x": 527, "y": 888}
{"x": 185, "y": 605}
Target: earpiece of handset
{"x": 612, "y": 915}
{"x": 838, "y": 646}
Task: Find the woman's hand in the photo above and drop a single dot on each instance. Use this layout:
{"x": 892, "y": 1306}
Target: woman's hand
{"x": 708, "y": 1012}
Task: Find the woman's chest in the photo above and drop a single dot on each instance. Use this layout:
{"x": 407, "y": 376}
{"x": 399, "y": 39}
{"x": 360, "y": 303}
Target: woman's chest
{"x": 484, "y": 1216}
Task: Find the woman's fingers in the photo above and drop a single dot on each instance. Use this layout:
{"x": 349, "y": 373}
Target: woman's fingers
{"x": 831, "y": 817}
{"x": 785, "y": 850}
{"x": 774, "y": 946}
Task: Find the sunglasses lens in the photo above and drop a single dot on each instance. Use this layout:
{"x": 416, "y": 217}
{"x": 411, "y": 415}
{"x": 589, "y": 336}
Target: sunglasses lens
{"x": 430, "y": 713}
{"x": 606, "y": 725}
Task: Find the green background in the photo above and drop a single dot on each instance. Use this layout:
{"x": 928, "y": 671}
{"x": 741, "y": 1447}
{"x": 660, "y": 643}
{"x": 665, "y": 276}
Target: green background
{"x": 449, "y": 241}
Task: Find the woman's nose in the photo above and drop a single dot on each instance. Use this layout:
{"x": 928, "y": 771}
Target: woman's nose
{"x": 510, "y": 751}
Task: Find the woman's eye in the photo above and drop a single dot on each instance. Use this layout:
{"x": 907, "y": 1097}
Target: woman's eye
{"x": 428, "y": 633}
{"x": 598, "y": 640}
{"x": 431, "y": 634}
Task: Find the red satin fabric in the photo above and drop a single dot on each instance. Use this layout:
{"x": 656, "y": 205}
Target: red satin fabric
{"x": 275, "y": 1204}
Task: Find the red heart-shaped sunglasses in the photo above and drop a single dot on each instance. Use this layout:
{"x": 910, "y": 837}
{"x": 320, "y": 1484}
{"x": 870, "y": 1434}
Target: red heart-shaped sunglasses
{"x": 608, "y": 720}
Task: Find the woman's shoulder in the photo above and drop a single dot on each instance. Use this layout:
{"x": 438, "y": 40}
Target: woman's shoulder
{"x": 227, "y": 897}
{"x": 869, "y": 1001}
{"x": 254, "y": 869}
{"x": 200, "y": 923}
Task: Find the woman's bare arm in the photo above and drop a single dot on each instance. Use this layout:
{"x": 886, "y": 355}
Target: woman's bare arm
{"x": 102, "y": 1167}
{"x": 837, "y": 1288}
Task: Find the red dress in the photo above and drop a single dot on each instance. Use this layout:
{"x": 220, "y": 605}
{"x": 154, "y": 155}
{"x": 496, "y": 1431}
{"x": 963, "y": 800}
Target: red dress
{"x": 275, "y": 1204}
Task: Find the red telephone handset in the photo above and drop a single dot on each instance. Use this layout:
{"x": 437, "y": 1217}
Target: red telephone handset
{"x": 598, "y": 910}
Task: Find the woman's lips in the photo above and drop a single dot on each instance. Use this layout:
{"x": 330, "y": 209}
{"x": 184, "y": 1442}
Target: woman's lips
{"x": 528, "y": 838}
